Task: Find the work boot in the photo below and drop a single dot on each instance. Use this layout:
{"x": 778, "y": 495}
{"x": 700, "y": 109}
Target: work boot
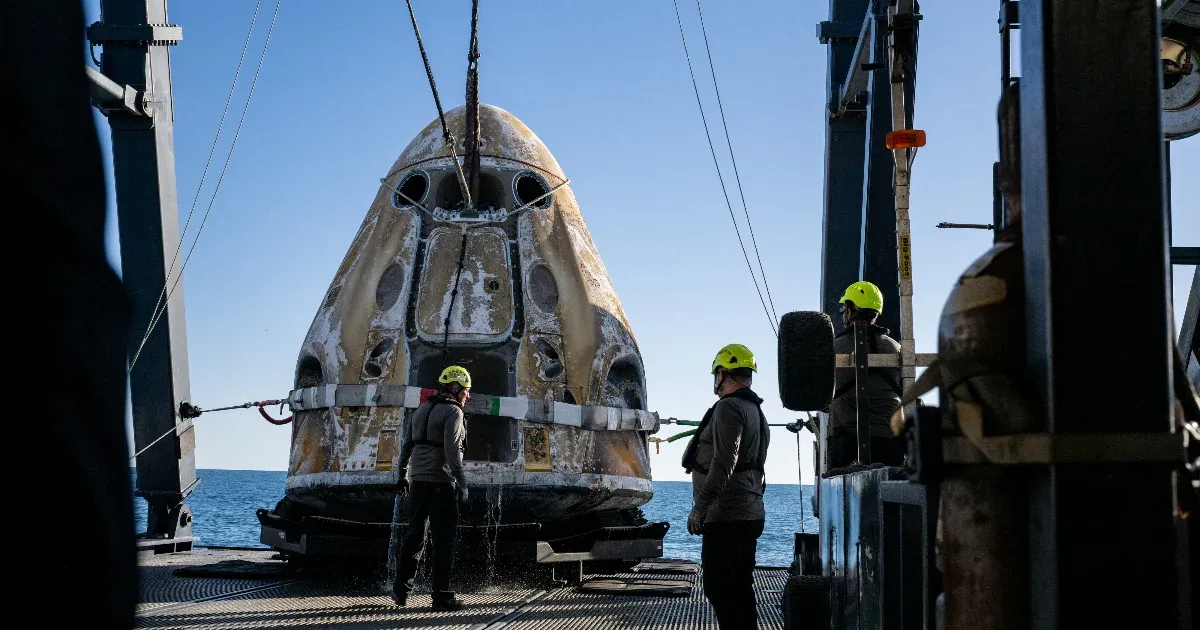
{"x": 447, "y": 602}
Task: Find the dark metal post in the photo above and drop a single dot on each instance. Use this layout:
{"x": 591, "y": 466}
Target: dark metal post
{"x": 1009, "y": 20}
{"x": 844, "y": 137}
{"x": 997, "y": 201}
{"x": 862, "y": 399}
{"x": 135, "y": 36}
{"x": 1092, "y": 187}
{"x": 1189, "y": 341}
{"x": 878, "y": 262}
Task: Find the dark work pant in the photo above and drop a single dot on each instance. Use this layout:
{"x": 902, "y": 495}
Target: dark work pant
{"x": 727, "y": 553}
{"x": 843, "y": 450}
{"x": 433, "y": 506}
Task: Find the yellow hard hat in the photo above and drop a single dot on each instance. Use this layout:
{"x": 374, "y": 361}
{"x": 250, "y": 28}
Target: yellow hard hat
{"x": 863, "y": 294}
{"x": 455, "y": 374}
{"x": 734, "y": 356}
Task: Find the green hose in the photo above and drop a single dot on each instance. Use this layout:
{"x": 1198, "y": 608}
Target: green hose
{"x": 681, "y": 435}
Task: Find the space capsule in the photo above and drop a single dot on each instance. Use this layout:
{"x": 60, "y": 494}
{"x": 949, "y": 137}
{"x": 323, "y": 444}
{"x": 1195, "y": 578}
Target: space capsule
{"x": 510, "y": 286}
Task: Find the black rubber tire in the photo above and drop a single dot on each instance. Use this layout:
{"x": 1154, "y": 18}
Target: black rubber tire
{"x": 806, "y": 361}
{"x": 805, "y": 602}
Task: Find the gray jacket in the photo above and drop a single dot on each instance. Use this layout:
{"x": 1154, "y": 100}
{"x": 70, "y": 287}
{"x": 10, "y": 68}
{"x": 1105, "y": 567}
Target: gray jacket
{"x": 737, "y": 434}
{"x": 431, "y": 447}
{"x": 843, "y": 416}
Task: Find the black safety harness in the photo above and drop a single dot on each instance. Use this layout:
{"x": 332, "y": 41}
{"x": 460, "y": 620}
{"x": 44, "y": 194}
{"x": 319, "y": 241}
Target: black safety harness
{"x": 689, "y": 453}
{"x": 875, "y": 331}
{"x": 423, "y": 420}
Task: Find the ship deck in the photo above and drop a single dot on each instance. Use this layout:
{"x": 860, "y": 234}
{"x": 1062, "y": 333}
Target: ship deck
{"x": 259, "y": 593}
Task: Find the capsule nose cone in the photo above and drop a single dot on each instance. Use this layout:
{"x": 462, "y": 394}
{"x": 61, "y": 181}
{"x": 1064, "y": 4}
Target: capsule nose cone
{"x": 501, "y": 135}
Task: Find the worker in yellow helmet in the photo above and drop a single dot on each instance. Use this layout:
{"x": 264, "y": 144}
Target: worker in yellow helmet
{"x": 432, "y": 444}
{"x": 726, "y": 459}
{"x": 863, "y": 302}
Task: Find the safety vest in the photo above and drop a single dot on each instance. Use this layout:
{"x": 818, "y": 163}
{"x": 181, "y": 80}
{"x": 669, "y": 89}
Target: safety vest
{"x": 422, "y": 420}
{"x": 689, "y": 453}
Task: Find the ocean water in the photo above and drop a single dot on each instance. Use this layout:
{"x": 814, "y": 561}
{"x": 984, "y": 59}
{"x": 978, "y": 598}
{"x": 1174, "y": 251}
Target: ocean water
{"x": 224, "y": 507}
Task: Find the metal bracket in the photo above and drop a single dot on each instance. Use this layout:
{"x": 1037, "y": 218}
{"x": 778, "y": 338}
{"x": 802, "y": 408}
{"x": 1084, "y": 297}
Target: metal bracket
{"x": 924, "y": 460}
{"x": 150, "y": 34}
{"x": 855, "y": 84}
{"x": 862, "y": 398}
{"x": 885, "y": 360}
{"x": 973, "y": 226}
{"x": 602, "y": 550}
{"x": 111, "y": 97}
{"x": 1185, "y": 255}
{"x": 836, "y": 32}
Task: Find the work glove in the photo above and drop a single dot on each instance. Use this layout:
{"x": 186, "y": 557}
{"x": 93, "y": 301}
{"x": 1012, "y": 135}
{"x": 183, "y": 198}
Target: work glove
{"x": 462, "y": 494}
{"x": 695, "y": 523}
{"x": 402, "y": 482}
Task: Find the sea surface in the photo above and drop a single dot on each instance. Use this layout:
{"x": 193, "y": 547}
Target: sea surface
{"x": 224, "y": 507}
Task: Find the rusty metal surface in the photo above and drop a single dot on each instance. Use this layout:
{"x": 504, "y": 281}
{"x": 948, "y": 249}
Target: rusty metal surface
{"x": 981, "y": 347}
{"x": 219, "y": 603}
{"x": 983, "y": 548}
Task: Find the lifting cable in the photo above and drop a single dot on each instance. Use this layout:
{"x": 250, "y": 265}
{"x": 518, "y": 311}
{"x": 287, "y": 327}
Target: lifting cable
{"x": 204, "y": 174}
{"x": 462, "y": 257}
{"x": 446, "y": 134}
{"x": 721, "y": 178}
{"x": 736, "y": 175}
{"x": 471, "y": 114}
{"x": 161, "y": 305}
{"x": 471, "y": 122}
{"x": 189, "y": 412}
{"x": 472, "y": 93}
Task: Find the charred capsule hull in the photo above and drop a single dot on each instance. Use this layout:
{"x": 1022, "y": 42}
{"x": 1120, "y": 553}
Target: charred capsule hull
{"x": 535, "y": 319}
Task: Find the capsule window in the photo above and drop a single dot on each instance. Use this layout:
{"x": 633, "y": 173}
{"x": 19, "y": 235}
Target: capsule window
{"x": 624, "y": 386}
{"x": 382, "y": 347}
{"x": 414, "y": 187}
{"x": 449, "y": 193}
{"x": 553, "y": 367}
{"x": 308, "y": 372}
{"x": 391, "y": 284}
{"x": 528, "y": 187}
{"x": 543, "y": 290}
{"x": 491, "y": 192}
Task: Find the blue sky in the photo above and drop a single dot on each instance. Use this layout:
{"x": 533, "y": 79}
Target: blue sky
{"x": 605, "y": 86}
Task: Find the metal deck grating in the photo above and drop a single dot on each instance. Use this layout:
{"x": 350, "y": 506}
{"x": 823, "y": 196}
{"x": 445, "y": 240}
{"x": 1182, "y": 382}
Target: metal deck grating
{"x": 159, "y": 588}
{"x": 320, "y": 605}
{"x": 566, "y": 608}
{"x": 192, "y": 602}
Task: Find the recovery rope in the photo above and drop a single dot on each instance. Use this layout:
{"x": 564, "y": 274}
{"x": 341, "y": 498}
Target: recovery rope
{"x": 187, "y": 411}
